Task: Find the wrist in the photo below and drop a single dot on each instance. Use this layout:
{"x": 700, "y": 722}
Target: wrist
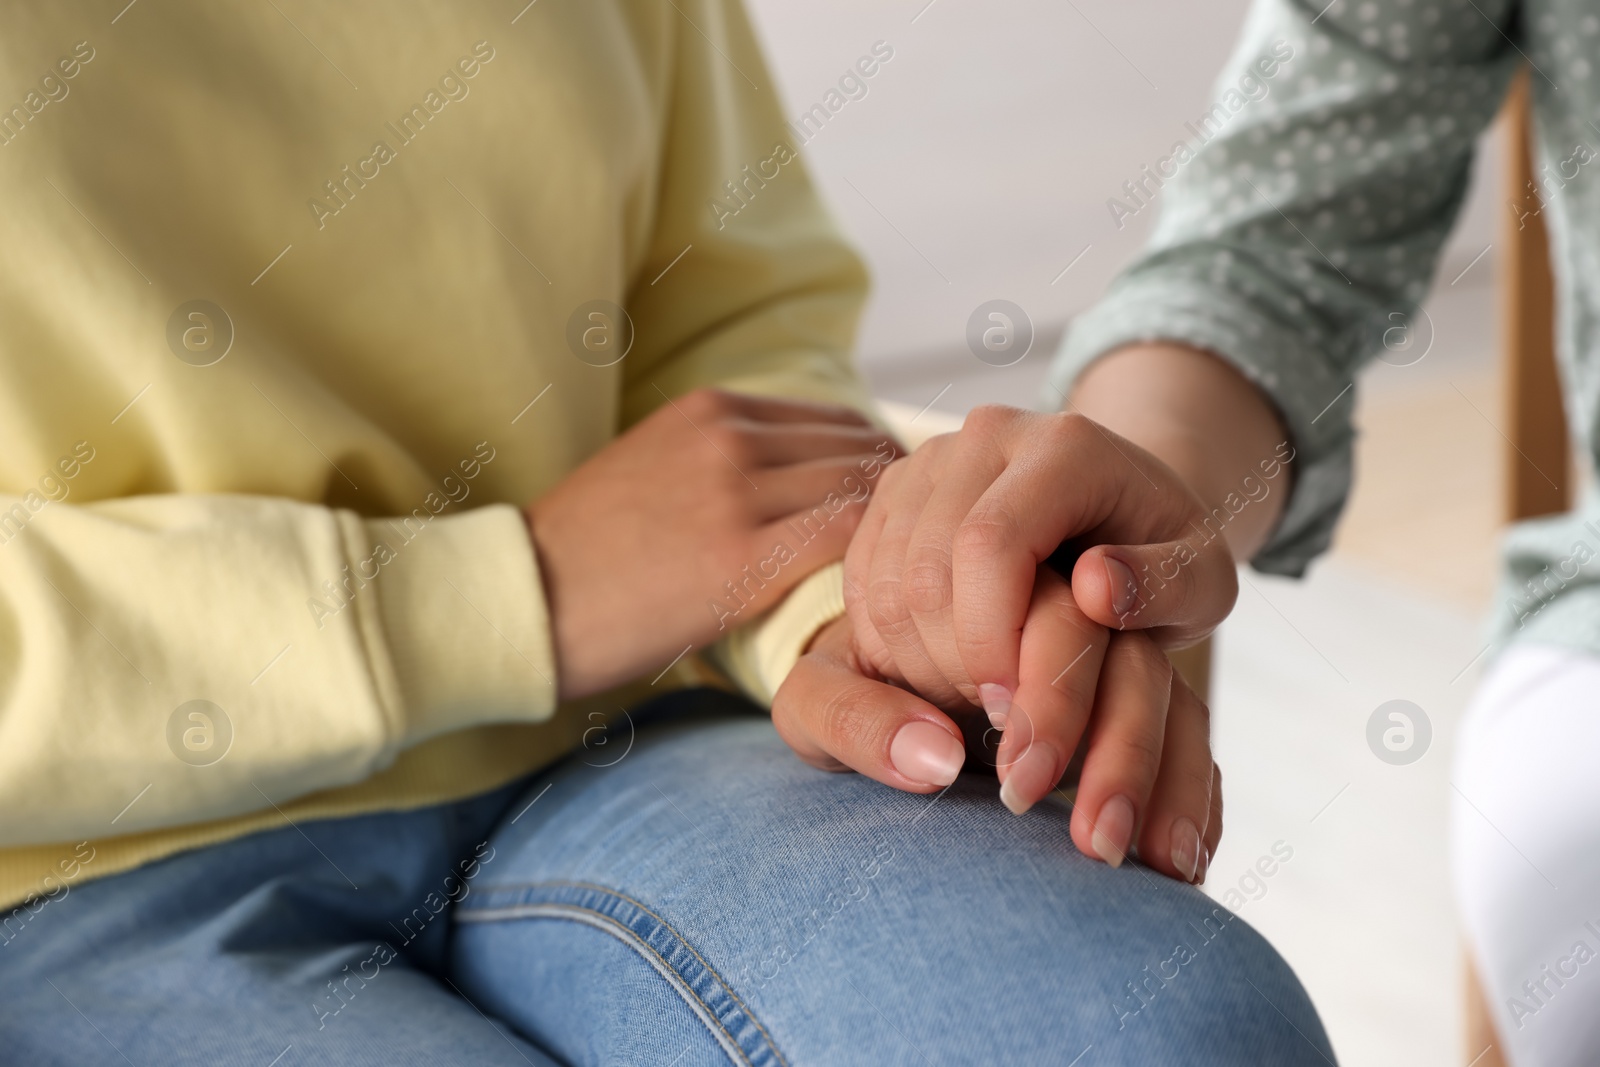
{"x": 1215, "y": 429}
{"x": 573, "y": 676}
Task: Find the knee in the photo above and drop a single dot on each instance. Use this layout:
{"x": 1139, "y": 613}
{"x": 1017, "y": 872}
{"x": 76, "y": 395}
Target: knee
{"x": 1196, "y": 977}
{"x": 828, "y": 904}
{"x": 1031, "y": 946}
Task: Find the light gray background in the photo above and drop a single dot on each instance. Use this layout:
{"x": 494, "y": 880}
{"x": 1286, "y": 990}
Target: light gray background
{"x": 979, "y": 164}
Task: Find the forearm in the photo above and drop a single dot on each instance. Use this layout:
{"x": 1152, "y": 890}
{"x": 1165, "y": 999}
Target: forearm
{"x": 1202, "y": 418}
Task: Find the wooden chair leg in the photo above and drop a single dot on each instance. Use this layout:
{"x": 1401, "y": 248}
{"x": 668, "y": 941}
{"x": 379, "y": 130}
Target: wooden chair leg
{"x": 1483, "y": 1043}
{"x": 1537, "y": 459}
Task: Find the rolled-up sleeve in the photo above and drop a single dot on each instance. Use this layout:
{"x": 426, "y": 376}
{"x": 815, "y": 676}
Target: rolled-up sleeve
{"x": 1304, "y": 217}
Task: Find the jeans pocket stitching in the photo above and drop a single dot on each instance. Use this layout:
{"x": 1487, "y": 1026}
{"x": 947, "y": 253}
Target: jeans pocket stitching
{"x": 529, "y": 894}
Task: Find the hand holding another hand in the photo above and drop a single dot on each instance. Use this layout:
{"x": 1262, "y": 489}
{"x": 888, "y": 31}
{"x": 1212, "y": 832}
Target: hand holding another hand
{"x": 1147, "y": 776}
{"x": 635, "y": 543}
{"x": 952, "y": 594}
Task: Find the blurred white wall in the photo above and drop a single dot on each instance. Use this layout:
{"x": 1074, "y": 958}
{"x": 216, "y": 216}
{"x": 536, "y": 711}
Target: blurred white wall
{"x": 979, "y": 163}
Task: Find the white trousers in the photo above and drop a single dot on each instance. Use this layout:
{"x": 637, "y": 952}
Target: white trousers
{"x": 1525, "y": 837}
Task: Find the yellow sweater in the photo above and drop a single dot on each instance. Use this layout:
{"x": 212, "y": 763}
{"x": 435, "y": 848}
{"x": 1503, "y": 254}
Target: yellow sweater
{"x": 293, "y": 302}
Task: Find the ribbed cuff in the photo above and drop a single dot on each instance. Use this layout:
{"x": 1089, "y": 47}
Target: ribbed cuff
{"x": 464, "y": 620}
{"x": 758, "y": 657}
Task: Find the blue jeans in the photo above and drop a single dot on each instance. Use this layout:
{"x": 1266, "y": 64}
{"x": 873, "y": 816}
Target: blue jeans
{"x": 687, "y": 894}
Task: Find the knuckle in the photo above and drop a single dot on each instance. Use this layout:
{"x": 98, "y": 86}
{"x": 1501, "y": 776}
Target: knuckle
{"x": 732, "y": 441}
{"x": 986, "y": 419}
{"x": 927, "y": 584}
{"x": 1143, "y": 657}
{"x": 885, "y": 604}
{"x": 1064, "y": 427}
{"x": 892, "y": 475}
{"x": 1194, "y": 780}
{"x": 857, "y": 569}
{"x": 845, "y": 523}
{"x": 984, "y": 534}
{"x": 704, "y": 401}
{"x": 1139, "y": 749}
{"x": 844, "y": 718}
{"x": 1067, "y": 430}
{"x": 1073, "y": 422}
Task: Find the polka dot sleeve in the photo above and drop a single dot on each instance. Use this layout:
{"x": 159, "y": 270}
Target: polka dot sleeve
{"x": 1302, "y": 219}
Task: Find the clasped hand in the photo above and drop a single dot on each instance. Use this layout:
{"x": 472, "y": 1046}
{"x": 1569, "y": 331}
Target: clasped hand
{"x": 954, "y": 605}
{"x": 955, "y": 592}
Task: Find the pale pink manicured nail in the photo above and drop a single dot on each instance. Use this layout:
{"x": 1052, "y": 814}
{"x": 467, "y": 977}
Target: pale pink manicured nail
{"x": 1186, "y": 850}
{"x": 1205, "y": 865}
{"x": 996, "y": 703}
{"x": 927, "y": 754}
{"x": 1124, "y": 588}
{"x": 1032, "y": 776}
{"x": 1113, "y": 830}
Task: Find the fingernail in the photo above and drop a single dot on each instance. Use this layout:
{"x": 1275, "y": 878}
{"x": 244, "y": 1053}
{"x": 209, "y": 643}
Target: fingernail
{"x": 1124, "y": 588}
{"x": 1113, "y": 830}
{"x": 1186, "y": 849}
{"x": 1205, "y": 865}
{"x": 1033, "y": 775}
{"x": 996, "y": 703}
{"x": 927, "y": 754}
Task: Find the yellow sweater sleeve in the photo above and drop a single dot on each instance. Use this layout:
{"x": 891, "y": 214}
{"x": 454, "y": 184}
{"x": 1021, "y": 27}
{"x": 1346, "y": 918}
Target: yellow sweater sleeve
{"x": 188, "y": 676}
{"x": 759, "y": 656}
{"x": 760, "y": 293}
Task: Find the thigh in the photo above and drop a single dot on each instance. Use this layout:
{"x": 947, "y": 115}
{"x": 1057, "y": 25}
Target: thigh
{"x": 1526, "y": 850}
{"x": 708, "y": 898}
{"x": 316, "y": 944}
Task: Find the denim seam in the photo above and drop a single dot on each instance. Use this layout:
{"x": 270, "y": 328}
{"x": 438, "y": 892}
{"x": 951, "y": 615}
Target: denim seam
{"x": 482, "y": 913}
{"x": 602, "y": 921}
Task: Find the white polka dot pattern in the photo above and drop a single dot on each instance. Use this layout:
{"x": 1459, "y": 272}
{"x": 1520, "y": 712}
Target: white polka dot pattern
{"x": 1305, "y": 229}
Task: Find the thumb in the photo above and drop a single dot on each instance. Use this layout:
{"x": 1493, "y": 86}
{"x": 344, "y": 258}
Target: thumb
{"x": 1180, "y": 589}
{"x": 834, "y": 716}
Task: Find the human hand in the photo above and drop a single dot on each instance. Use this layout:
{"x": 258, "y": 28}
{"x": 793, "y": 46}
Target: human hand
{"x": 947, "y": 575}
{"x": 939, "y": 578}
{"x": 1147, "y": 774}
{"x": 942, "y": 577}
{"x": 634, "y": 543}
